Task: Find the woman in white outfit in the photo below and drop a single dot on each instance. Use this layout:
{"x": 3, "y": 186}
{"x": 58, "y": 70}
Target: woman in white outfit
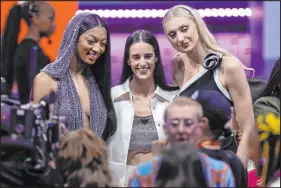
{"x": 139, "y": 102}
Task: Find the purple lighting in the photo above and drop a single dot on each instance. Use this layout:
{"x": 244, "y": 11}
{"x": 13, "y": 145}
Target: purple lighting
{"x": 153, "y": 13}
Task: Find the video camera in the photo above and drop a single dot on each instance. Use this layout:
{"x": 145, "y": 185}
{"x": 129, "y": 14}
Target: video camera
{"x": 28, "y": 133}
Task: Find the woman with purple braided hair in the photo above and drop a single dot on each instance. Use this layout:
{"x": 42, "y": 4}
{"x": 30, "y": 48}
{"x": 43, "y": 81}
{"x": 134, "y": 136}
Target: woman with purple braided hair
{"x": 80, "y": 77}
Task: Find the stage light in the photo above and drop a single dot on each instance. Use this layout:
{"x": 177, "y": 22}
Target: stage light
{"x": 162, "y": 13}
{"x": 208, "y": 12}
{"x": 221, "y": 12}
{"x": 133, "y": 13}
{"x": 201, "y": 12}
{"x": 148, "y": 13}
{"x": 241, "y": 12}
{"x": 153, "y": 13}
{"x": 139, "y": 14}
{"x": 126, "y": 13}
{"x": 214, "y": 12}
{"x": 234, "y": 12}
{"x": 248, "y": 12}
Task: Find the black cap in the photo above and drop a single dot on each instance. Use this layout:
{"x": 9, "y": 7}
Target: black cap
{"x": 216, "y": 107}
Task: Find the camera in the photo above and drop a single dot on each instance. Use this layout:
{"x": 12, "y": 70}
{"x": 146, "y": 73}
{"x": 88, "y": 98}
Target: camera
{"x": 29, "y": 136}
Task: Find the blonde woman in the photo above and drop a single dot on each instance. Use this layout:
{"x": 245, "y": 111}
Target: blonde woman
{"x": 202, "y": 64}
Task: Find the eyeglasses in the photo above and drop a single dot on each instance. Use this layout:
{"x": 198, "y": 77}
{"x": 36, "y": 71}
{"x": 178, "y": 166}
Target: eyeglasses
{"x": 175, "y": 122}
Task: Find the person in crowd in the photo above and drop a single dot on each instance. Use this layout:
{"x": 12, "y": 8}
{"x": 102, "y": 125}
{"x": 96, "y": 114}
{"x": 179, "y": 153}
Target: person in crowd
{"x": 82, "y": 160}
{"x": 267, "y": 115}
{"x": 186, "y": 124}
{"x": 23, "y": 61}
{"x": 139, "y": 102}
{"x": 80, "y": 77}
{"x": 218, "y": 112}
{"x": 267, "y": 171}
{"x": 184, "y": 166}
{"x": 257, "y": 86}
{"x": 201, "y": 64}
{"x": 269, "y": 99}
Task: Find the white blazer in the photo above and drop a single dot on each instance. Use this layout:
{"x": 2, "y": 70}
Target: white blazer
{"x": 118, "y": 144}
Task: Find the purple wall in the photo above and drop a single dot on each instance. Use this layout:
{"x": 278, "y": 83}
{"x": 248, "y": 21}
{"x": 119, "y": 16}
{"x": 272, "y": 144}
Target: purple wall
{"x": 159, "y": 5}
{"x": 238, "y": 43}
{"x": 241, "y": 36}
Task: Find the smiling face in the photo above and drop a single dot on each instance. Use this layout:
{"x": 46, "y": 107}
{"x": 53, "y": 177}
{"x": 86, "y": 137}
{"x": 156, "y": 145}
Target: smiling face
{"x": 182, "y": 33}
{"x": 142, "y": 60}
{"x": 91, "y": 44}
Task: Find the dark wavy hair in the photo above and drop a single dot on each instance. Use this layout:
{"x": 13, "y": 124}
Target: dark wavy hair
{"x": 181, "y": 167}
{"x": 101, "y": 71}
{"x": 273, "y": 85}
{"x": 149, "y": 38}
{"x": 9, "y": 39}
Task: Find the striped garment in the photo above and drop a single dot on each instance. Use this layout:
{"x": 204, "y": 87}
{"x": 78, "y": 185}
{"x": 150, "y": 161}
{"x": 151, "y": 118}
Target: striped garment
{"x": 217, "y": 173}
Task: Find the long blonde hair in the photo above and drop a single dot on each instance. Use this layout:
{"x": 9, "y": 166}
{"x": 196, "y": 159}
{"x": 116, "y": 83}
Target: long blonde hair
{"x": 205, "y": 35}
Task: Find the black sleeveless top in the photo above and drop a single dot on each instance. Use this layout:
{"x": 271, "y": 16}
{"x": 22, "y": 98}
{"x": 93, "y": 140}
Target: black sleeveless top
{"x": 204, "y": 82}
{"x": 23, "y": 72}
{"x": 207, "y": 79}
